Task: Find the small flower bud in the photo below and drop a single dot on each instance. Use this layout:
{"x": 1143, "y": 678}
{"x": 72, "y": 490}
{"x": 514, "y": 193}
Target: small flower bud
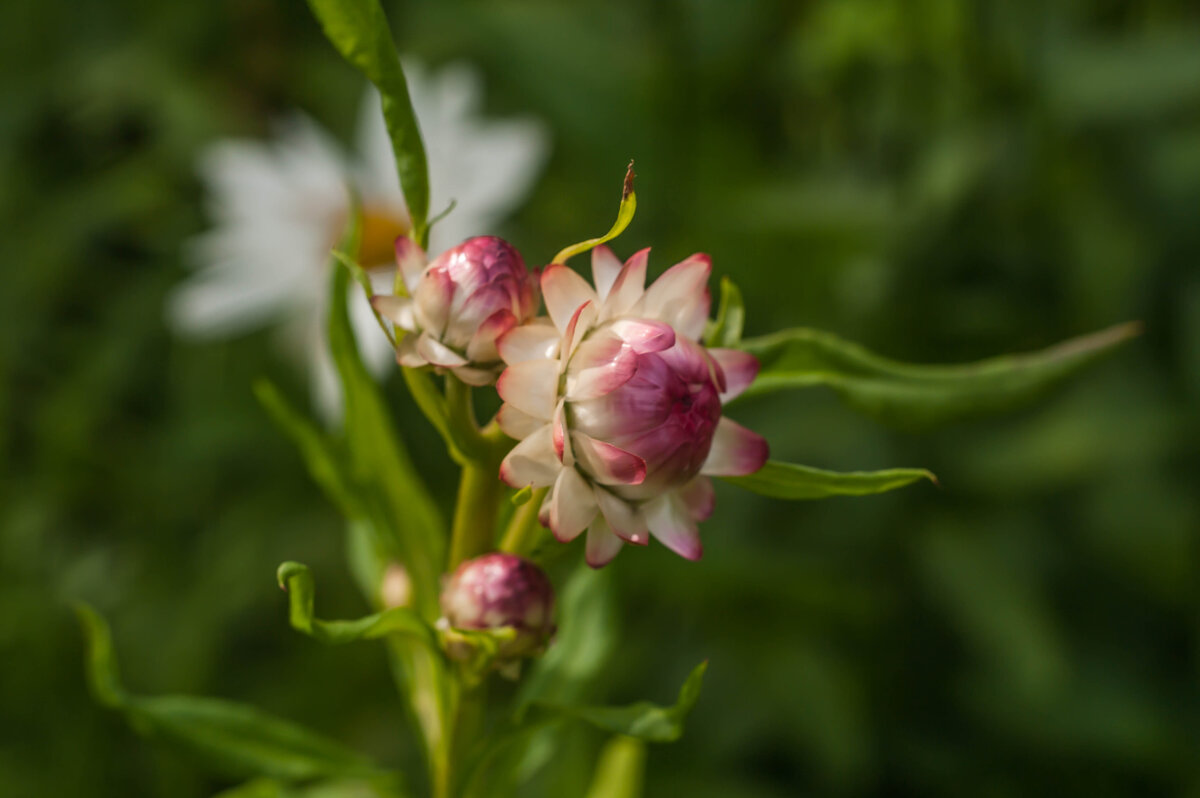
{"x": 395, "y": 589}
{"x": 459, "y": 305}
{"x": 502, "y": 590}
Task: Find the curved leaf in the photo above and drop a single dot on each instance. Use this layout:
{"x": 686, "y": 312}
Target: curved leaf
{"x": 644, "y": 720}
{"x": 789, "y": 481}
{"x": 297, "y": 580}
{"x": 359, "y": 30}
{"x": 918, "y": 396}
{"x": 236, "y": 738}
{"x": 625, "y": 213}
{"x": 726, "y": 329}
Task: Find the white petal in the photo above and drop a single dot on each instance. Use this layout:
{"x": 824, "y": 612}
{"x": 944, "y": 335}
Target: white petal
{"x": 564, "y": 292}
{"x": 735, "y": 451}
{"x": 680, "y": 296}
{"x": 582, "y": 321}
{"x": 474, "y": 376}
{"x": 407, "y": 354}
{"x": 628, "y": 287}
{"x": 517, "y": 423}
{"x": 396, "y": 309}
{"x": 699, "y": 497}
{"x": 644, "y": 335}
{"x": 600, "y": 366}
{"x": 605, "y": 268}
{"x": 533, "y": 341}
{"x": 740, "y": 369}
{"x": 531, "y": 386}
{"x": 438, "y": 353}
{"x": 625, "y": 521}
{"x": 602, "y": 544}
{"x": 482, "y": 348}
{"x": 670, "y": 522}
{"x": 411, "y": 260}
{"x": 531, "y": 462}
{"x": 573, "y": 507}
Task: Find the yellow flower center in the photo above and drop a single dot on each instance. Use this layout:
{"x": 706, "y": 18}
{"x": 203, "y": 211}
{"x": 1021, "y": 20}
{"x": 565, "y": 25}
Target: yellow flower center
{"x": 381, "y": 227}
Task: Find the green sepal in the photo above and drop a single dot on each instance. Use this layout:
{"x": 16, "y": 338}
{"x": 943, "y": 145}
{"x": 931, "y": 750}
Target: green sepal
{"x": 359, "y": 30}
{"x": 297, "y": 580}
{"x": 625, "y": 213}
{"x": 645, "y": 721}
{"x": 726, "y": 329}
{"x": 790, "y": 481}
{"x": 237, "y": 739}
{"x": 916, "y": 396}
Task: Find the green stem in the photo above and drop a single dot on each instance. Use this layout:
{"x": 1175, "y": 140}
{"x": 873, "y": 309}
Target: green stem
{"x": 479, "y": 493}
{"x": 520, "y": 537}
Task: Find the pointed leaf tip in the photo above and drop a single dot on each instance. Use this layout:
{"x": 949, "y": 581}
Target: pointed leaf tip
{"x": 627, "y": 189}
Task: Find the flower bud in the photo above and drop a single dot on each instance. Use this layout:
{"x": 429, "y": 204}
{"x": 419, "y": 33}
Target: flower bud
{"x": 618, "y": 407}
{"x": 501, "y": 590}
{"x": 459, "y": 304}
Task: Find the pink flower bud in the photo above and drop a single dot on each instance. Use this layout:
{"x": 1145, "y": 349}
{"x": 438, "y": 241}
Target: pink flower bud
{"x": 502, "y": 590}
{"x": 459, "y": 304}
{"x": 618, "y": 407}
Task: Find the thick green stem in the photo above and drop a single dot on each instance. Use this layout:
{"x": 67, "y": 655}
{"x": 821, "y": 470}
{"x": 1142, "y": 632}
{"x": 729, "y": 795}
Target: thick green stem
{"x": 523, "y": 529}
{"x": 479, "y": 493}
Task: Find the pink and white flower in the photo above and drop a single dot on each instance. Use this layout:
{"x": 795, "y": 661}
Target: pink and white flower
{"x": 459, "y": 305}
{"x": 618, "y": 407}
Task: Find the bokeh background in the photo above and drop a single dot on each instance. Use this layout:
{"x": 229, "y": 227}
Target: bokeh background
{"x": 939, "y": 180}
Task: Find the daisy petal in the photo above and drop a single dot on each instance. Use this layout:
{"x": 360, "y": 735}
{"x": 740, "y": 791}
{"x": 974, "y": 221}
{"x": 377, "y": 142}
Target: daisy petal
{"x": 564, "y": 291}
{"x": 531, "y": 462}
{"x": 602, "y": 544}
{"x": 608, "y": 464}
{"x": 605, "y": 268}
{"x": 517, "y": 423}
{"x": 670, "y": 522}
{"x": 680, "y": 296}
{"x": 533, "y": 341}
{"x": 531, "y": 385}
{"x": 406, "y": 353}
{"x": 432, "y": 300}
{"x": 573, "y": 507}
{"x": 628, "y": 287}
{"x": 581, "y": 321}
{"x": 735, "y": 451}
{"x": 625, "y": 522}
{"x": 437, "y": 352}
{"x": 482, "y": 348}
{"x": 396, "y": 309}
{"x": 411, "y": 260}
{"x": 474, "y": 376}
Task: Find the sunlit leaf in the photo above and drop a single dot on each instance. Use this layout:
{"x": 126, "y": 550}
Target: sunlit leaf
{"x": 620, "y": 770}
{"x": 644, "y": 720}
{"x": 624, "y": 216}
{"x": 908, "y": 395}
{"x": 726, "y": 329}
{"x": 789, "y": 481}
{"x": 297, "y": 580}
{"x": 359, "y": 30}
{"x": 235, "y": 738}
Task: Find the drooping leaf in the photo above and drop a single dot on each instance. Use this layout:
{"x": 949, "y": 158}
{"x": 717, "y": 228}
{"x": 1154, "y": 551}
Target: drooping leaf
{"x": 297, "y": 580}
{"x": 625, "y": 213}
{"x": 916, "y": 396}
{"x": 620, "y": 770}
{"x": 238, "y": 739}
{"x": 790, "y": 481}
{"x": 395, "y": 496}
{"x": 644, "y": 720}
{"x": 359, "y": 30}
{"x": 726, "y": 329}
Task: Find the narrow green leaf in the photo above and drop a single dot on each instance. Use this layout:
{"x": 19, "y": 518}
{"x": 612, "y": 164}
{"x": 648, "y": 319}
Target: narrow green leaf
{"x": 920, "y": 396}
{"x": 397, "y": 498}
{"x": 297, "y": 580}
{"x": 789, "y": 481}
{"x": 359, "y": 30}
{"x": 237, "y": 739}
{"x": 726, "y": 329}
{"x": 624, "y": 216}
{"x": 643, "y": 720}
{"x": 327, "y": 463}
{"x": 620, "y": 770}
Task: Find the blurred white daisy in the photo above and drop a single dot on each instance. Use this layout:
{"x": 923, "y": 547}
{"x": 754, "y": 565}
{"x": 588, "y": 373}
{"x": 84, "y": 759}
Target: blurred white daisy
{"x": 278, "y": 206}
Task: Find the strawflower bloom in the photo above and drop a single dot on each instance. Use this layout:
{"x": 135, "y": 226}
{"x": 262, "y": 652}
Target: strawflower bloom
{"x": 617, "y": 406}
{"x": 278, "y": 206}
{"x": 459, "y": 305}
{"x": 501, "y": 590}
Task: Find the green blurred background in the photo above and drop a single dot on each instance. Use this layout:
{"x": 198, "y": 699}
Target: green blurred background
{"x": 938, "y": 180}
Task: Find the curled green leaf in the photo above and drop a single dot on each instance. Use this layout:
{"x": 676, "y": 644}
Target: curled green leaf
{"x": 624, "y": 216}
{"x": 790, "y": 481}
{"x": 726, "y": 329}
{"x": 297, "y": 580}
{"x": 235, "y": 738}
{"x": 915, "y": 396}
